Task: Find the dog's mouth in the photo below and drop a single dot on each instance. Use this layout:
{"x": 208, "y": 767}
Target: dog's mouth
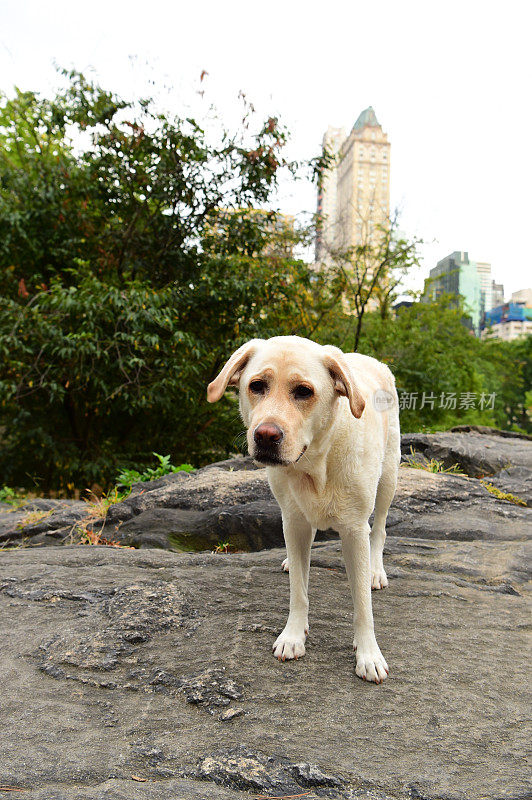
{"x": 273, "y": 460}
{"x": 270, "y": 459}
{"x": 302, "y": 453}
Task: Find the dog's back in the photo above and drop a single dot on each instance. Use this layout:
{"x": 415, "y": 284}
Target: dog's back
{"x": 371, "y": 371}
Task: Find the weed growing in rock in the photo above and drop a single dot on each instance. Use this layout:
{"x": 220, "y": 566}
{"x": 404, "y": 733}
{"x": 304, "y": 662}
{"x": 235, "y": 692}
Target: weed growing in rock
{"x": 32, "y": 517}
{"x": 91, "y": 537}
{"x": 434, "y": 465}
{"x": 223, "y": 547}
{"x": 500, "y": 495}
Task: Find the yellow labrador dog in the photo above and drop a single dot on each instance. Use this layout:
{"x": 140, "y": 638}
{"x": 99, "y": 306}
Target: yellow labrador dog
{"x": 326, "y": 425}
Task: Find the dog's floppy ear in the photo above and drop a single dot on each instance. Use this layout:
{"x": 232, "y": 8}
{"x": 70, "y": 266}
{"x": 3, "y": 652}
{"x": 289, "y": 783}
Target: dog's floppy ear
{"x": 343, "y": 380}
{"x": 230, "y": 374}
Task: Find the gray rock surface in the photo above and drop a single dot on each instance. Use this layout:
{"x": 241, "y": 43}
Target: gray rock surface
{"x": 230, "y": 502}
{"x": 490, "y": 431}
{"x": 516, "y": 481}
{"x": 39, "y": 521}
{"x": 504, "y": 458}
{"x": 476, "y": 454}
{"x": 148, "y": 675}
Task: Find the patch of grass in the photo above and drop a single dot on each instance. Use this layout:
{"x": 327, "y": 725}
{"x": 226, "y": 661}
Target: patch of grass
{"x": 32, "y": 517}
{"x": 500, "y": 495}
{"x": 434, "y": 465}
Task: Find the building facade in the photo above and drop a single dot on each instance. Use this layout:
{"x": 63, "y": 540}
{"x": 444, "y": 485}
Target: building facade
{"x": 486, "y": 287}
{"x": 511, "y": 320}
{"x": 354, "y": 196}
{"x": 523, "y": 296}
{"x": 497, "y": 294}
{"x": 457, "y": 275}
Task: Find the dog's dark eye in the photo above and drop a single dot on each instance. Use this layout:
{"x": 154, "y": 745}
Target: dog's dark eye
{"x": 303, "y": 392}
{"x": 257, "y": 387}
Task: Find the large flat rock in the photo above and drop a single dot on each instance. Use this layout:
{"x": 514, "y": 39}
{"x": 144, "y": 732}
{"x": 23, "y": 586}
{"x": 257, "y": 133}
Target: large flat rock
{"x": 231, "y": 503}
{"x": 503, "y": 457}
{"x": 121, "y": 663}
{"x": 477, "y": 454}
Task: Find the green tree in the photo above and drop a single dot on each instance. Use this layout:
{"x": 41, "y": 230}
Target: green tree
{"x": 123, "y": 290}
{"x": 434, "y": 356}
{"x": 368, "y": 275}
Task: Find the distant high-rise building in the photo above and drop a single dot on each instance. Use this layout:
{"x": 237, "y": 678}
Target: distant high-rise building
{"x": 497, "y": 294}
{"x": 457, "y": 275}
{"x": 486, "y": 285}
{"x": 332, "y": 143}
{"x": 354, "y": 196}
{"x": 511, "y": 320}
{"x": 523, "y": 296}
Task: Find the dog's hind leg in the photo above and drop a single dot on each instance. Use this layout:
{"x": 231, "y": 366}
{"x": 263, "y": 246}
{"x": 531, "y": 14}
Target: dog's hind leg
{"x": 385, "y": 492}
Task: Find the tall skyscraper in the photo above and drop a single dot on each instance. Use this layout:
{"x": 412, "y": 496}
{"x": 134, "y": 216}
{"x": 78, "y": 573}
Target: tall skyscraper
{"x": 354, "y": 197}
{"x": 486, "y": 287}
{"x": 497, "y": 294}
{"x": 457, "y": 275}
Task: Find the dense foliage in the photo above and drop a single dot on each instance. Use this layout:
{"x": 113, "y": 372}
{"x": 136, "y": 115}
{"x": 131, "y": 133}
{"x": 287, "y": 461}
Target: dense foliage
{"x": 130, "y": 266}
{"x": 135, "y": 255}
{"x": 446, "y": 376}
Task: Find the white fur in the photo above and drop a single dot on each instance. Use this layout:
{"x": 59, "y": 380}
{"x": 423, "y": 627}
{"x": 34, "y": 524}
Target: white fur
{"x": 338, "y": 468}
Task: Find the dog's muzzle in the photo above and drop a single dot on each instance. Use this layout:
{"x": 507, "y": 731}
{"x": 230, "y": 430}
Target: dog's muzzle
{"x": 268, "y": 438}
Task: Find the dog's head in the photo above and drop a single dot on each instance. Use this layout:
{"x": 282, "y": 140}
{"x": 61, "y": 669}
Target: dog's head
{"x": 289, "y": 392}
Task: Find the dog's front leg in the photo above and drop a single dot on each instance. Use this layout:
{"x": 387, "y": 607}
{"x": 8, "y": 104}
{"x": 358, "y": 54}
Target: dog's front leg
{"x": 298, "y": 536}
{"x": 370, "y": 663}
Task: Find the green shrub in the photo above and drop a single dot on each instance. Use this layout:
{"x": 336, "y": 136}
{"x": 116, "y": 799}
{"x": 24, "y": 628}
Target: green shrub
{"x": 127, "y": 477}
{"x": 129, "y": 272}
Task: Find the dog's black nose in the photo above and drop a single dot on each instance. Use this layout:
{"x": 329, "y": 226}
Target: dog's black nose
{"x": 268, "y": 434}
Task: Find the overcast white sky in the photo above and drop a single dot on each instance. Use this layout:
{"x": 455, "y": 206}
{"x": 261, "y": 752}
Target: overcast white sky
{"x": 450, "y": 83}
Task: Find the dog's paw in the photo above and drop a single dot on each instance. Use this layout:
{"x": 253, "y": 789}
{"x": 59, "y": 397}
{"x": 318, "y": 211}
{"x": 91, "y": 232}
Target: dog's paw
{"x": 378, "y": 578}
{"x": 284, "y": 566}
{"x": 289, "y": 645}
{"x": 370, "y": 663}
